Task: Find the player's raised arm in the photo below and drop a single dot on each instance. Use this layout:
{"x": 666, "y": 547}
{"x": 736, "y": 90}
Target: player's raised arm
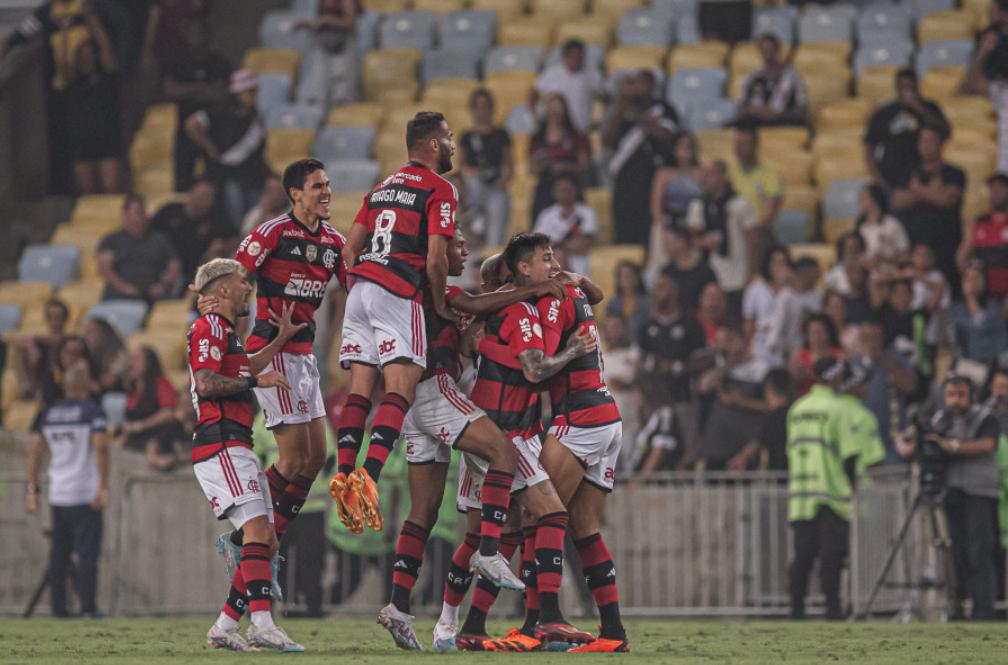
{"x": 537, "y": 366}
{"x": 486, "y": 303}
{"x": 286, "y": 329}
{"x": 592, "y": 290}
{"x": 356, "y": 238}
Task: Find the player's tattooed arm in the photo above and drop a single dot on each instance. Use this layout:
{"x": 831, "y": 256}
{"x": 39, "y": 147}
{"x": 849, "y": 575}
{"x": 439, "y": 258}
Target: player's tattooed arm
{"x": 537, "y": 366}
{"x": 487, "y": 303}
{"x": 211, "y": 385}
{"x": 592, "y": 290}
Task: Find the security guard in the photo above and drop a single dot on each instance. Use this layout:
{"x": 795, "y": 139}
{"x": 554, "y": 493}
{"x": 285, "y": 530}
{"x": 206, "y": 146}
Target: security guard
{"x": 823, "y": 449}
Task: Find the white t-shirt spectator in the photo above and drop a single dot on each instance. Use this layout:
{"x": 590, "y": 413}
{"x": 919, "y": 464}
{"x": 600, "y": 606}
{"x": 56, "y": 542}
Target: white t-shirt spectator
{"x": 577, "y": 88}
{"x": 785, "y": 334}
{"x": 885, "y": 240}
{"x": 560, "y": 227}
{"x": 67, "y": 427}
{"x": 732, "y": 269}
{"x": 759, "y": 303}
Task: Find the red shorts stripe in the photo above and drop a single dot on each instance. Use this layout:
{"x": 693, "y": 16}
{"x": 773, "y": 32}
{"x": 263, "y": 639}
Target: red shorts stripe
{"x": 453, "y": 397}
{"x": 234, "y": 473}
{"x": 415, "y": 319}
{"x": 229, "y": 473}
{"x": 283, "y": 396}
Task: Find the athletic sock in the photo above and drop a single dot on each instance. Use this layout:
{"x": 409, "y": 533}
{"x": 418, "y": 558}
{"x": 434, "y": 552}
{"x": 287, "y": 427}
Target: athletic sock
{"x": 277, "y": 484}
{"x": 237, "y": 602}
{"x": 290, "y": 502}
{"x": 549, "y": 564}
{"x": 350, "y": 431}
{"x": 255, "y": 571}
{"x": 496, "y": 494}
{"x": 486, "y": 592}
{"x": 529, "y": 577}
{"x": 385, "y": 430}
{"x": 600, "y": 576}
{"x": 459, "y": 576}
{"x": 409, "y": 554}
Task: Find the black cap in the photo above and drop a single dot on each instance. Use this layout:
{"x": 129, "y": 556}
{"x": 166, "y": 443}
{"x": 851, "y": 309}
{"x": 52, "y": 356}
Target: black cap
{"x": 1000, "y": 177}
{"x": 828, "y": 370}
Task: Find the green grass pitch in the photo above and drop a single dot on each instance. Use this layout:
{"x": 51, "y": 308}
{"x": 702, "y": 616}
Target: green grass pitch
{"x": 357, "y": 641}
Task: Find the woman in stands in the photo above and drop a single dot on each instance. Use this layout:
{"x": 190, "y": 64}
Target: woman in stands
{"x": 630, "y": 301}
{"x": 884, "y": 235}
{"x": 108, "y": 354}
{"x": 150, "y": 425}
{"x": 820, "y": 341}
{"x": 555, "y": 148}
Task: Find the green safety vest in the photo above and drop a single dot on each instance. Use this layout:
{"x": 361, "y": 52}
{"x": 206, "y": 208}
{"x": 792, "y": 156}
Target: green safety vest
{"x": 1002, "y": 462}
{"x": 864, "y": 426}
{"x": 820, "y": 437}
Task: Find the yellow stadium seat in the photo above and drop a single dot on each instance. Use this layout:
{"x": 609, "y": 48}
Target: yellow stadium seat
{"x": 841, "y": 165}
{"x": 976, "y": 201}
{"x": 526, "y": 31}
{"x": 794, "y": 138}
{"x": 20, "y": 416}
{"x": 697, "y": 56}
{"x": 286, "y": 145}
{"x": 508, "y": 93}
{"x": 148, "y": 150}
{"x": 622, "y": 58}
{"x": 505, "y": 8}
{"x": 98, "y": 206}
{"x": 941, "y": 83}
{"x": 156, "y": 203}
{"x": 25, "y": 293}
{"x": 877, "y": 84}
{"x": 83, "y": 294}
{"x": 170, "y": 348}
{"x": 592, "y": 30}
{"x": 600, "y": 199}
{"x": 273, "y": 61}
{"x": 84, "y": 238}
{"x": 562, "y": 9}
{"x": 397, "y": 117}
{"x": 9, "y": 388}
{"x": 172, "y": 313}
{"x": 851, "y": 112}
{"x": 840, "y": 50}
{"x": 387, "y": 71}
{"x": 823, "y": 253}
{"x": 978, "y": 11}
{"x": 978, "y": 164}
{"x": 439, "y": 6}
{"x": 520, "y": 154}
{"x": 33, "y": 318}
{"x": 615, "y": 8}
{"x": 343, "y": 209}
{"x": 945, "y": 26}
{"x": 834, "y": 229}
{"x": 716, "y": 143}
{"x": 160, "y": 117}
{"x": 801, "y": 197}
{"x": 810, "y": 60}
{"x": 826, "y": 88}
{"x": 602, "y": 263}
{"x": 745, "y": 58}
{"x": 793, "y": 165}
{"x": 362, "y": 114}
{"x": 386, "y": 5}
{"x": 969, "y": 110}
{"x": 154, "y": 182}
{"x": 831, "y": 140}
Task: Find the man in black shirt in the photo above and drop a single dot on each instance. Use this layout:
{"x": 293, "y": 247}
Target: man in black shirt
{"x": 136, "y": 261}
{"x": 774, "y": 94}
{"x": 891, "y": 152}
{"x": 190, "y": 225}
{"x": 771, "y": 440}
{"x": 486, "y": 168}
{"x": 686, "y": 265}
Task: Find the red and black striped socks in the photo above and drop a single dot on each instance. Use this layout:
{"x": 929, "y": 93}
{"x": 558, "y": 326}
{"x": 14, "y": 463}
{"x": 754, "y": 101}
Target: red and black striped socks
{"x": 255, "y": 571}
{"x": 486, "y": 593}
{"x": 549, "y": 564}
{"x": 350, "y": 431}
{"x": 496, "y": 494}
{"x": 600, "y": 576}
{"x": 459, "y": 576}
{"x": 237, "y": 600}
{"x": 409, "y": 555}
{"x": 287, "y": 507}
{"x": 385, "y": 431}
{"x": 530, "y": 578}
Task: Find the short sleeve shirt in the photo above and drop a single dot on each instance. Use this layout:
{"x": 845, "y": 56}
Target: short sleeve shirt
{"x": 139, "y": 260}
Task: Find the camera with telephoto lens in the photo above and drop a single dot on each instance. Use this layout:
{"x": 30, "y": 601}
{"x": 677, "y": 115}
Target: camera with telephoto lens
{"x": 932, "y": 458}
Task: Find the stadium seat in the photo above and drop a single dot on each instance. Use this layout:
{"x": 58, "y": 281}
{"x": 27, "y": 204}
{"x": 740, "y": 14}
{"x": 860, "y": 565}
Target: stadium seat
{"x": 385, "y": 6}
{"x": 513, "y": 59}
{"x": 274, "y": 91}
{"x": 449, "y": 64}
{"x": 594, "y": 56}
{"x": 801, "y": 197}
{"x": 644, "y": 27}
{"x": 407, "y": 30}
{"x": 687, "y": 30}
{"x": 823, "y": 253}
{"x": 920, "y": 8}
{"x": 150, "y": 150}
{"x": 829, "y": 140}
{"x": 703, "y": 55}
{"x": 979, "y": 11}
{"x": 877, "y": 84}
{"x": 602, "y": 262}
{"x": 309, "y": 7}
{"x": 793, "y": 227}
{"x": 710, "y": 113}
{"x": 277, "y": 30}
{"x": 468, "y": 30}
{"x": 826, "y": 88}
{"x": 439, "y": 6}
{"x": 841, "y": 198}
{"x": 794, "y": 166}
{"x": 275, "y": 61}
{"x": 283, "y": 146}
{"x": 520, "y": 120}
{"x": 632, "y": 58}
{"x": 745, "y": 58}
{"x": 504, "y": 9}
{"x": 168, "y": 345}
{"x": 83, "y": 295}
{"x": 526, "y": 31}
{"x": 86, "y": 239}
{"x": 154, "y": 182}
{"x": 366, "y": 31}
{"x": 615, "y": 8}
{"x": 97, "y": 206}
{"x": 389, "y": 69}
{"x": 353, "y": 175}
{"x": 114, "y": 406}
{"x": 896, "y": 54}
{"x": 20, "y": 415}
{"x": 172, "y": 313}
{"x": 843, "y": 165}
{"x": 716, "y": 143}
{"x": 977, "y": 164}
{"x": 335, "y": 143}
{"x": 784, "y": 139}
{"x": 777, "y": 21}
{"x": 835, "y": 228}
{"x": 696, "y": 86}
{"x": 56, "y": 264}
{"x": 943, "y": 54}
{"x": 10, "y": 317}
{"x": 295, "y": 116}
{"x": 883, "y": 21}
{"x": 969, "y": 108}
{"x": 945, "y": 26}
{"x": 561, "y": 9}
{"x": 675, "y": 8}
{"x": 508, "y": 93}
{"x": 162, "y": 117}
{"x": 942, "y": 83}
{"x": 361, "y": 114}
{"x": 592, "y": 30}
{"x": 126, "y": 316}
{"x": 851, "y": 112}
{"x": 813, "y": 58}
{"x": 818, "y": 24}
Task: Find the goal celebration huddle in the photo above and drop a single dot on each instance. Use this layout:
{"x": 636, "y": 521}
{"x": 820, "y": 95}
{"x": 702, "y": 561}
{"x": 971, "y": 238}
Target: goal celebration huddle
{"x": 459, "y": 371}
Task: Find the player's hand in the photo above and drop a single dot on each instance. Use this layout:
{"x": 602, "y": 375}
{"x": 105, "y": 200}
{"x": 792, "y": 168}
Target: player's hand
{"x": 447, "y": 314}
{"x": 582, "y": 343}
{"x": 31, "y": 502}
{"x": 273, "y": 379}
{"x": 100, "y": 500}
{"x": 286, "y": 328}
{"x": 206, "y": 304}
{"x": 552, "y": 287}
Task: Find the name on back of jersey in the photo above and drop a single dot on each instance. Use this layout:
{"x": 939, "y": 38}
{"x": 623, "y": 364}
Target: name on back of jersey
{"x": 400, "y": 196}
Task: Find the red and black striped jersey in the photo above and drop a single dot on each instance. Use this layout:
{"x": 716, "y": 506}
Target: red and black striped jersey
{"x": 990, "y": 245}
{"x": 501, "y": 387}
{"x": 444, "y": 338}
{"x": 224, "y": 421}
{"x": 400, "y": 214}
{"x": 292, "y": 265}
{"x": 578, "y": 393}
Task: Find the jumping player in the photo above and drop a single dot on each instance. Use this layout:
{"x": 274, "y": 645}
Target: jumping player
{"x": 222, "y": 377}
{"x": 398, "y": 243}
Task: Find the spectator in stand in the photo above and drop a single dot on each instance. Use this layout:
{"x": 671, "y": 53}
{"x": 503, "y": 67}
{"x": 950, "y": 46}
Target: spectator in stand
{"x": 108, "y": 355}
{"x": 891, "y": 150}
{"x": 232, "y": 138}
{"x": 72, "y": 432}
{"x": 892, "y": 383}
{"x": 556, "y": 148}
{"x": 726, "y": 20}
{"x": 674, "y": 186}
{"x": 71, "y": 352}
{"x": 929, "y": 284}
{"x": 712, "y": 311}
{"x": 759, "y": 301}
{"x": 136, "y": 261}
{"x": 639, "y": 131}
{"x": 331, "y": 65}
{"x": 774, "y": 94}
{"x": 660, "y": 444}
{"x": 724, "y": 224}
{"x": 851, "y": 263}
{"x": 909, "y": 330}
{"x": 621, "y": 359}
{"x": 487, "y": 166}
{"x": 272, "y": 204}
{"x": 191, "y": 225}
{"x": 686, "y": 265}
{"x": 572, "y": 226}
{"x": 770, "y": 443}
{"x": 34, "y": 356}
{"x": 794, "y": 304}
{"x": 93, "y": 114}
{"x": 820, "y": 340}
{"x": 630, "y": 301}
{"x": 929, "y": 203}
{"x": 197, "y": 80}
{"x": 573, "y": 79}
{"x": 760, "y": 185}
{"x": 977, "y": 320}
{"x": 167, "y": 25}
{"x": 150, "y": 425}
{"x": 987, "y": 73}
{"x": 884, "y": 237}
{"x": 835, "y": 307}
{"x": 988, "y": 239}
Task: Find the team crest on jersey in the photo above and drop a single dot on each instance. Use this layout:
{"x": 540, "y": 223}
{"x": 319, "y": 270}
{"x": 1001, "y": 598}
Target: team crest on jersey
{"x": 310, "y": 253}
{"x": 254, "y": 248}
{"x": 329, "y": 259}
{"x": 215, "y": 353}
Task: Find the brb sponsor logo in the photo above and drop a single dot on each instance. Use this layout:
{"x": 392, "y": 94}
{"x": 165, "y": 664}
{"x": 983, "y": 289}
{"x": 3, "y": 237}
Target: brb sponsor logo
{"x": 444, "y": 435}
{"x": 301, "y": 287}
{"x": 215, "y": 503}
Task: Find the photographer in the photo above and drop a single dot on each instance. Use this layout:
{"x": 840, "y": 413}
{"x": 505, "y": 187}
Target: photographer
{"x": 962, "y": 437}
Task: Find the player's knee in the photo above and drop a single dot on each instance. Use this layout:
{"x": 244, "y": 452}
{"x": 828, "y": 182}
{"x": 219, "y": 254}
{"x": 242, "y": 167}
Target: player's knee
{"x": 424, "y": 512}
{"x": 503, "y": 455}
{"x": 313, "y": 463}
{"x": 581, "y": 524}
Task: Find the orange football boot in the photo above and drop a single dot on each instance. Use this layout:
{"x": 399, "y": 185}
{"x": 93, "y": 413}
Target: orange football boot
{"x": 367, "y": 493}
{"x": 347, "y": 503}
{"x": 603, "y": 645}
{"x": 514, "y": 642}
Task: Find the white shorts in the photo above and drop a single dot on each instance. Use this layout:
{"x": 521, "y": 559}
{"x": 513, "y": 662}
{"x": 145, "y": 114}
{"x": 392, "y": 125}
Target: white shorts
{"x": 303, "y": 402}
{"x": 439, "y": 416}
{"x": 473, "y": 469}
{"x": 235, "y": 485}
{"x": 596, "y": 447}
{"x": 379, "y": 327}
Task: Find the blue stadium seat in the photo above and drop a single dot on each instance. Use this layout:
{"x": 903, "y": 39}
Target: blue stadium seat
{"x": 366, "y": 31}
{"x": 114, "y": 406}
{"x": 676, "y": 9}
{"x": 468, "y": 30}
{"x": 711, "y": 114}
{"x": 407, "y": 30}
{"x": 276, "y": 30}
{"x": 643, "y": 26}
{"x": 274, "y": 91}
{"x": 306, "y": 6}
{"x": 513, "y": 59}
{"x": 10, "y": 317}
{"x": 56, "y": 264}
{"x": 687, "y": 30}
{"x": 825, "y": 25}
{"x": 352, "y": 175}
{"x": 450, "y": 64}
{"x": 920, "y": 8}
{"x": 594, "y": 55}
{"x": 895, "y": 54}
{"x": 341, "y": 143}
{"x": 295, "y": 116}
{"x": 943, "y": 54}
{"x": 691, "y": 85}
{"x": 841, "y": 200}
{"x": 778, "y": 21}
{"x": 793, "y": 227}
{"x": 878, "y": 20}
{"x": 520, "y": 120}
{"x": 126, "y": 316}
